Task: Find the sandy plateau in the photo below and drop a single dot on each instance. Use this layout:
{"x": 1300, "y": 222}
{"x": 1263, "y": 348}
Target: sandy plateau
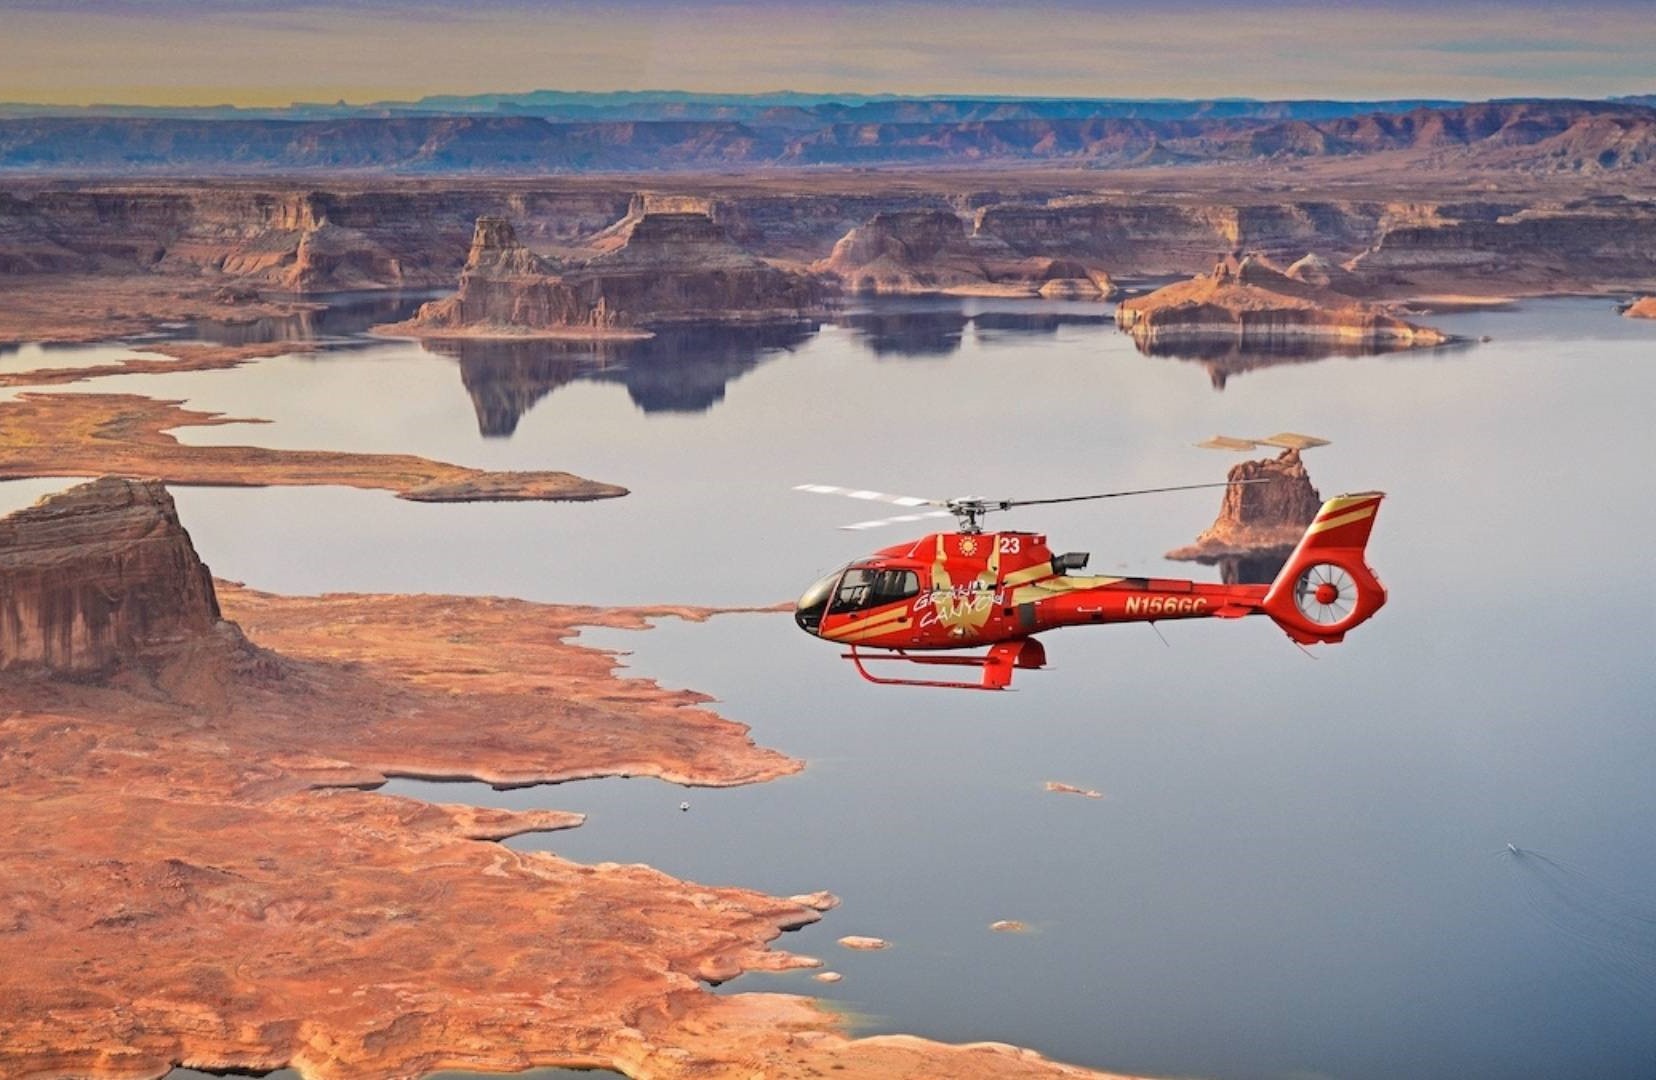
{"x": 126, "y": 435}
{"x": 195, "y": 874}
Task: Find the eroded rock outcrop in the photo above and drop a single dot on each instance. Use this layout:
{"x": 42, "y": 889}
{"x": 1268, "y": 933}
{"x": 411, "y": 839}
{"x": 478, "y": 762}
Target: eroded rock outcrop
{"x": 671, "y": 267}
{"x": 1250, "y": 302}
{"x": 97, "y": 574}
{"x": 934, "y": 251}
{"x": 1258, "y": 523}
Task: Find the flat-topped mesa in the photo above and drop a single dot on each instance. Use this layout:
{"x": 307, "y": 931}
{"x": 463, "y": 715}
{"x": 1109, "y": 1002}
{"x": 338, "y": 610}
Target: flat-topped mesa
{"x": 1253, "y": 304}
{"x": 676, "y": 266}
{"x": 677, "y": 238}
{"x": 1643, "y": 308}
{"x": 98, "y": 574}
{"x": 934, "y": 251}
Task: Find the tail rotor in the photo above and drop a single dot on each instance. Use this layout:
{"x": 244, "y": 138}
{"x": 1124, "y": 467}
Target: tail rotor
{"x": 1327, "y": 586}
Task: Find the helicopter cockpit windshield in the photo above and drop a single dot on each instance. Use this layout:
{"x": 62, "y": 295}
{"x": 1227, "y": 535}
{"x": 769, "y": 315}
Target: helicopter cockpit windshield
{"x": 855, "y": 588}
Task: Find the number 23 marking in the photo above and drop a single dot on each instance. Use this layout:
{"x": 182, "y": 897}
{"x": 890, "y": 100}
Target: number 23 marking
{"x": 1009, "y": 544}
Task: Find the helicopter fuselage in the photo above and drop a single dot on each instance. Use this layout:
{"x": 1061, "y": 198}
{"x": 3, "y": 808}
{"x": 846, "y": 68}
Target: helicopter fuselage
{"x": 957, "y": 590}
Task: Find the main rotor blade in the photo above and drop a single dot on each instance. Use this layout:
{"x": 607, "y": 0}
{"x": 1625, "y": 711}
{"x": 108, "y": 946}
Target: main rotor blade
{"x": 898, "y": 520}
{"x": 1007, "y": 504}
{"x": 869, "y": 496}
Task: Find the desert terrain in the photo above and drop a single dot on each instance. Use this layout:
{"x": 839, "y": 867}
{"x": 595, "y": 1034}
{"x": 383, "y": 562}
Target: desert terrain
{"x": 192, "y": 763}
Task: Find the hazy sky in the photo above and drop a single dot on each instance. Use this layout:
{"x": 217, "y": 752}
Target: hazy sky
{"x": 264, "y": 52}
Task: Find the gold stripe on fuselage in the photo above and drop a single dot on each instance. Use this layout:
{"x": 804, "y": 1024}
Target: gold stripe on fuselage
{"x": 868, "y": 627}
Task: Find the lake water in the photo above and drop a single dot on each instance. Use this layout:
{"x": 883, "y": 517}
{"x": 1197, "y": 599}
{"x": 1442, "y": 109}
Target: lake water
{"x": 1300, "y": 866}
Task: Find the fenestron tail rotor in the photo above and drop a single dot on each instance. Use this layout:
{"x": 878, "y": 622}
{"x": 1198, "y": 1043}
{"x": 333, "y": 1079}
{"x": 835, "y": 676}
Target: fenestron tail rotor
{"x": 970, "y": 510}
{"x": 1325, "y": 594}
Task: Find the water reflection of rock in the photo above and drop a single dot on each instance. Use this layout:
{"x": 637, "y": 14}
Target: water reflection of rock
{"x": 908, "y": 333}
{"x": 346, "y": 316}
{"x": 1226, "y": 359}
{"x": 685, "y": 368}
{"x": 682, "y": 369}
{"x": 932, "y": 333}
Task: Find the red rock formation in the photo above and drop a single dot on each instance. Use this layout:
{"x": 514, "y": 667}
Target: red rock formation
{"x": 1253, "y": 303}
{"x": 670, "y": 267}
{"x": 1313, "y": 269}
{"x": 1643, "y": 308}
{"x": 930, "y": 251}
{"x": 1258, "y": 523}
{"x": 97, "y": 574}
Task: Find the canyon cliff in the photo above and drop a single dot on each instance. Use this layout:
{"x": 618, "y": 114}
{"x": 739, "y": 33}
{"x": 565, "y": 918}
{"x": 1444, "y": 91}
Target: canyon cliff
{"x": 1253, "y": 304}
{"x": 175, "y": 249}
{"x": 98, "y": 574}
{"x": 667, "y": 267}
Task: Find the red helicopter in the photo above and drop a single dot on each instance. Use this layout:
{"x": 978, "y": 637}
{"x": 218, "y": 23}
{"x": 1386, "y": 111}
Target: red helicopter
{"x": 969, "y": 589}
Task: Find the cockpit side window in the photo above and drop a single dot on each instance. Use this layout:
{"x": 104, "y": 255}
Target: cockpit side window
{"x": 871, "y": 586}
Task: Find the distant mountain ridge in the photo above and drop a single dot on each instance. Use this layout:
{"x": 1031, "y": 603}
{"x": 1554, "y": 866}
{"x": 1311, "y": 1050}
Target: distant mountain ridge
{"x": 1550, "y": 136}
{"x": 575, "y": 105}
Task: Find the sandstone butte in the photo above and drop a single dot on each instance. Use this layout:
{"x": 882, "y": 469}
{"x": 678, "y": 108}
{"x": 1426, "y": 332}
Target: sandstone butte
{"x": 1258, "y": 520}
{"x": 932, "y": 251}
{"x": 75, "y": 435}
{"x": 192, "y": 872}
{"x": 670, "y": 266}
{"x": 1642, "y": 308}
{"x": 1256, "y": 305}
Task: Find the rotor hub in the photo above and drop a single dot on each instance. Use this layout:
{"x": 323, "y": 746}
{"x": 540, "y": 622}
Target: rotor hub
{"x": 1327, "y": 593}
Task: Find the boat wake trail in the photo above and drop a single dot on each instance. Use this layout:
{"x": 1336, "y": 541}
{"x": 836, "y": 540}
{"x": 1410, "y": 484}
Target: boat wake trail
{"x": 1613, "y": 929}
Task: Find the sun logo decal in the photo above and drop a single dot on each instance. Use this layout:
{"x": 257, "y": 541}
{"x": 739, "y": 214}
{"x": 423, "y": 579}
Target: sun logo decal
{"x": 969, "y": 546}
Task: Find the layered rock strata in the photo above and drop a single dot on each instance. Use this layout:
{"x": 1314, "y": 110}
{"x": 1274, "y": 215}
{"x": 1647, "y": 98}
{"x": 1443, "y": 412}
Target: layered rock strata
{"x": 120, "y": 254}
{"x": 933, "y": 251}
{"x": 1253, "y": 304}
{"x": 100, "y": 572}
{"x": 670, "y": 267}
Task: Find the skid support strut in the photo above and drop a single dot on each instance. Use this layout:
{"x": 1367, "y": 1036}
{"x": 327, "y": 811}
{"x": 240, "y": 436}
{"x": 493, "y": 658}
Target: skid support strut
{"x": 996, "y": 665}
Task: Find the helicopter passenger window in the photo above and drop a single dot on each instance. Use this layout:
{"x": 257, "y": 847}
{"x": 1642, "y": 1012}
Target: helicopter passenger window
{"x": 868, "y": 587}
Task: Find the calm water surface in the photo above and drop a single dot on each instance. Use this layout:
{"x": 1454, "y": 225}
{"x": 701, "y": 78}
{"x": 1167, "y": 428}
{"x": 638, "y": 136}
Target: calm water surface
{"x": 1300, "y": 867}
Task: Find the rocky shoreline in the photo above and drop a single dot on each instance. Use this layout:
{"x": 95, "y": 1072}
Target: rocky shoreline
{"x": 196, "y": 785}
{"x": 1258, "y": 306}
{"x": 74, "y": 435}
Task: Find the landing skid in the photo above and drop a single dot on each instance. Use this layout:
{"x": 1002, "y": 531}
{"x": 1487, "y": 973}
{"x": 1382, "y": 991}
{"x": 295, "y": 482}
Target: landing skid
{"x": 996, "y": 665}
